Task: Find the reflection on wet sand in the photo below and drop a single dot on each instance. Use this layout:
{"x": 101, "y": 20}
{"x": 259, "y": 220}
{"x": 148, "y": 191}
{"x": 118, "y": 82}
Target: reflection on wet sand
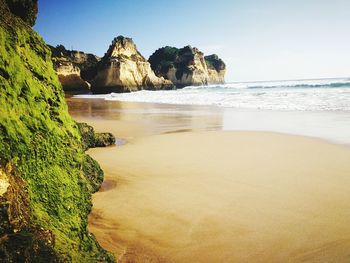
{"x": 128, "y": 119}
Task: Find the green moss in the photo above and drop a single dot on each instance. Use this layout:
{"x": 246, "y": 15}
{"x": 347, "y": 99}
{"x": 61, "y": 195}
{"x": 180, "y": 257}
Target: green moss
{"x": 93, "y": 173}
{"x": 170, "y": 57}
{"x": 38, "y": 136}
{"x": 90, "y": 139}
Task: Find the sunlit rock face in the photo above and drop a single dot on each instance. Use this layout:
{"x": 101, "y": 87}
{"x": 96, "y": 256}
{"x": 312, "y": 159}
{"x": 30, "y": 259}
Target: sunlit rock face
{"x": 69, "y": 75}
{"x": 75, "y": 69}
{"x": 124, "y": 69}
{"x": 216, "y": 69}
{"x": 187, "y": 66}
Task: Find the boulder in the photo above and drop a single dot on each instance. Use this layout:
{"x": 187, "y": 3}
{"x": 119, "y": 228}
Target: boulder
{"x": 90, "y": 139}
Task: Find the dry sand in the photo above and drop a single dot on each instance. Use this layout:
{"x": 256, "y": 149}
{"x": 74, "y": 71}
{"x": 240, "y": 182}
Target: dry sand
{"x": 224, "y": 197}
{"x": 215, "y": 196}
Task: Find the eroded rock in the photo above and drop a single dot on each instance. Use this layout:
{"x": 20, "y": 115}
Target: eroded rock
{"x": 187, "y": 66}
{"x": 124, "y": 69}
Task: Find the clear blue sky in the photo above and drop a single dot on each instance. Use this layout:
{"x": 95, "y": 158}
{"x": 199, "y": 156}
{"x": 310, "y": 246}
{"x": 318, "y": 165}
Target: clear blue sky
{"x": 258, "y": 39}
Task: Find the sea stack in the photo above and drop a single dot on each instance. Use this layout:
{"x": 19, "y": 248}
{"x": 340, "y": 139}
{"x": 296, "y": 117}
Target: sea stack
{"x": 124, "y": 69}
{"x": 187, "y": 66}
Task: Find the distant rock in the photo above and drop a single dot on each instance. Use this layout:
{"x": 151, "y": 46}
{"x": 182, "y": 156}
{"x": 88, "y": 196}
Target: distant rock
{"x": 75, "y": 69}
{"x": 124, "y": 69}
{"x": 187, "y": 66}
{"x": 216, "y": 69}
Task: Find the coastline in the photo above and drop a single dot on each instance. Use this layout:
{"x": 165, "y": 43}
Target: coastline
{"x": 186, "y": 190}
{"x": 137, "y": 119}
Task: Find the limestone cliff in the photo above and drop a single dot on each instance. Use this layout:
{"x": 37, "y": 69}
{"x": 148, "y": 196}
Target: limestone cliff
{"x": 46, "y": 179}
{"x": 124, "y": 69}
{"x": 75, "y": 69}
{"x": 216, "y": 69}
{"x": 187, "y": 66}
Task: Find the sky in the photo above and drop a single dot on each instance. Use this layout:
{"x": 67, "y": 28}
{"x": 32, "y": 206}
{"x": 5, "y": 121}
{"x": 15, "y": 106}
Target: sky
{"x": 257, "y": 39}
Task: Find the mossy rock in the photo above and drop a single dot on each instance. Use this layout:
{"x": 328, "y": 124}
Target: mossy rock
{"x": 93, "y": 173}
{"x": 45, "y": 208}
{"x": 27, "y": 10}
{"x": 91, "y": 139}
{"x": 87, "y": 134}
{"x": 104, "y": 139}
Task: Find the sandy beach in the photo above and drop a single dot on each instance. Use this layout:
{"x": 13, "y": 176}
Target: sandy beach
{"x": 184, "y": 190}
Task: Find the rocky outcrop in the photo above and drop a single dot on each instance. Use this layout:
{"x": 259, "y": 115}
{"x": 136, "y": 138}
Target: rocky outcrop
{"x": 27, "y": 10}
{"x": 187, "y": 66}
{"x": 46, "y": 179}
{"x": 75, "y": 69}
{"x": 216, "y": 69}
{"x": 91, "y": 139}
{"x": 124, "y": 69}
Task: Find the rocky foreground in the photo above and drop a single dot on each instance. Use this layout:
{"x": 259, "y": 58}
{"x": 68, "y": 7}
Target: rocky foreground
{"x": 124, "y": 69}
{"x": 46, "y": 179}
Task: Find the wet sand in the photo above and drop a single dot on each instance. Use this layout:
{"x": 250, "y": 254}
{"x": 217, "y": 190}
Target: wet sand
{"x": 181, "y": 193}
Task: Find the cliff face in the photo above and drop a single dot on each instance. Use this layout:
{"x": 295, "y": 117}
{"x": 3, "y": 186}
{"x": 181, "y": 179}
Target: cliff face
{"x": 124, "y": 69}
{"x": 75, "y": 69}
{"x": 46, "y": 179}
{"x": 216, "y": 69}
{"x": 27, "y": 10}
{"x": 187, "y": 66}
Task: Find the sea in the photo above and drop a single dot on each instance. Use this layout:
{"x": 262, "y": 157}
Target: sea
{"x": 313, "y": 107}
{"x": 301, "y": 95}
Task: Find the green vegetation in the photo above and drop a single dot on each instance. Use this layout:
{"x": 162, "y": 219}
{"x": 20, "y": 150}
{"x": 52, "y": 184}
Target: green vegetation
{"x": 90, "y": 139}
{"x": 44, "y": 211}
{"x": 170, "y": 57}
{"x": 58, "y": 51}
{"x": 163, "y": 59}
{"x": 214, "y": 62}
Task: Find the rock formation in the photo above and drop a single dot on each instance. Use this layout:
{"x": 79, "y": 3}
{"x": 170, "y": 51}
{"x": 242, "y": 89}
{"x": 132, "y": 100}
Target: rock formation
{"x": 124, "y": 69}
{"x": 75, "y": 69}
{"x": 27, "y": 10}
{"x": 46, "y": 179}
{"x": 216, "y": 69}
{"x": 187, "y": 66}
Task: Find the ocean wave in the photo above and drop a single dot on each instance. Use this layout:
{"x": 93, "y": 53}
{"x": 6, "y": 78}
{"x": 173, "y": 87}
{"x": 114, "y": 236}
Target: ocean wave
{"x": 317, "y": 83}
{"x": 316, "y": 95}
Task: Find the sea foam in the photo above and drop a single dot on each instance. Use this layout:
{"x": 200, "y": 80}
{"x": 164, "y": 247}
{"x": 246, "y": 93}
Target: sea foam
{"x": 301, "y": 95}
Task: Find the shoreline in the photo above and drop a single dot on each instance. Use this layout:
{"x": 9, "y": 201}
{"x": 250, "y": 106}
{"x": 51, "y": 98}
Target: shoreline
{"x": 331, "y": 126}
{"x": 193, "y": 192}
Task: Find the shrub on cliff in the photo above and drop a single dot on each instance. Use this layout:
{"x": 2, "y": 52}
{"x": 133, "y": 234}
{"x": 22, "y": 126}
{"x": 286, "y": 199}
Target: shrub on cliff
{"x": 214, "y": 62}
{"x": 163, "y": 59}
